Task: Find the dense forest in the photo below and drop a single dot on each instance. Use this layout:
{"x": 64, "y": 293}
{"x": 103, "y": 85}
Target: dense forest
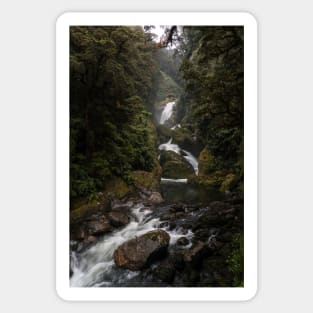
{"x": 156, "y": 156}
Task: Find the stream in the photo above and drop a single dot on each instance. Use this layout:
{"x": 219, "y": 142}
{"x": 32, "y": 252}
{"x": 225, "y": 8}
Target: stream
{"x": 95, "y": 267}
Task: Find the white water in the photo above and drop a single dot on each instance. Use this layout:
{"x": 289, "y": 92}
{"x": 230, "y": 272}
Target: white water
{"x": 167, "y": 112}
{"x": 170, "y": 180}
{"x": 169, "y": 146}
{"x": 192, "y": 160}
{"x": 95, "y": 267}
{"x": 176, "y": 126}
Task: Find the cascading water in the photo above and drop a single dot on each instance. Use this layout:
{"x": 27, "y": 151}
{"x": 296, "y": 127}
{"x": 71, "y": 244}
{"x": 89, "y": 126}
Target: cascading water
{"x": 169, "y": 146}
{"x": 167, "y": 112}
{"x": 95, "y": 266}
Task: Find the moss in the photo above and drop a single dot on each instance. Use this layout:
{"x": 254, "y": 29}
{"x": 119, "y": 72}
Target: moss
{"x": 82, "y": 211}
{"x": 118, "y": 187}
{"x": 211, "y": 182}
{"x": 175, "y": 166}
{"x": 207, "y": 162}
{"x": 148, "y": 180}
{"x": 229, "y": 182}
{"x": 235, "y": 260}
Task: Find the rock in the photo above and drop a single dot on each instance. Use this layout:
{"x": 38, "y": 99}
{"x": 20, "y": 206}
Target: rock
{"x": 219, "y": 206}
{"x": 196, "y": 253}
{"x": 171, "y": 216}
{"x": 92, "y": 239}
{"x": 155, "y": 197}
{"x": 165, "y": 272}
{"x": 183, "y": 241}
{"x": 118, "y": 218}
{"x": 164, "y": 225}
{"x": 175, "y": 166}
{"x": 77, "y": 232}
{"x": 140, "y": 252}
{"x": 177, "y": 208}
{"x": 98, "y": 227}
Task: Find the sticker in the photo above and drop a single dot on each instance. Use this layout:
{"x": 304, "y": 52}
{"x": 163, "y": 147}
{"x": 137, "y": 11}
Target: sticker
{"x": 156, "y": 156}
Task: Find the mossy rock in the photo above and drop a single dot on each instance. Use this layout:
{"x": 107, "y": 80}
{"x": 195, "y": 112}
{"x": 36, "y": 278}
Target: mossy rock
{"x": 116, "y": 187}
{"x": 211, "y": 182}
{"x": 184, "y": 138}
{"x": 229, "y": 182}
{"x": 174, "y": 166}
{"x": 84, "y": 210}
{"x": 207, "y": 162}
{"x": 147, "y": 180}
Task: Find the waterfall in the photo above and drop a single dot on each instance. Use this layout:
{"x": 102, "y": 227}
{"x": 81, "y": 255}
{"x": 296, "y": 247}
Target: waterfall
{"x": 167, "y": 112}
{"x": 95, "y": 266}
{"x": 192, "y": 160}
{"x": 169, "y": 146}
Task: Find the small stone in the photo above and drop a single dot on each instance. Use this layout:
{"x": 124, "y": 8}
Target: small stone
{"x": 183, "y": 241}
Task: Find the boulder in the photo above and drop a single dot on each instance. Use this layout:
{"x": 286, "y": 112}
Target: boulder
{"x": 141, "y": 251}
{"x": 118, "y": 218}
{"x": 174, "y": 166}
{"x": 196, "y": 253}
{"x": 183, "y": 241}
{"x": 155, "y": 197}
{"x": 165, "y": 272}
{"x": 98, "y": 227}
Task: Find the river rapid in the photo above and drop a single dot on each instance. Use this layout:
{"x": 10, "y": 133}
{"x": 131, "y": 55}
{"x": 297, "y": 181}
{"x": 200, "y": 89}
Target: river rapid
{"x": 183, "y": 214}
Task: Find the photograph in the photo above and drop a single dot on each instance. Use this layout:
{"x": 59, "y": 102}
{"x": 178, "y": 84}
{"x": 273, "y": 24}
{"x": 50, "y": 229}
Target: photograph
{"x": 154, "y": 140}
{"x": 156, "y": 156}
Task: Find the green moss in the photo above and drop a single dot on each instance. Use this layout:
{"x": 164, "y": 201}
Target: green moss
{"x": 235, "y": 260}
{"x": 148, "y": 180}
{"x": 118, "y": 187}
{"x": 175, "y": 166}
{"x": 229, "y": 182}
{"x": 211, "y": 182}
{"x": 207, "y": 162}
{"x": 82, "y": 211}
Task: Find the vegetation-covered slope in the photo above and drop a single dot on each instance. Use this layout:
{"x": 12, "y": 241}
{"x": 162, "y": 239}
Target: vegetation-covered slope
{"x": 112, "y": 72}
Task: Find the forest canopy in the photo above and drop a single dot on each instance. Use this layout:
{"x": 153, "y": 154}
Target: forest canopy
{"x": 119, "y": 73}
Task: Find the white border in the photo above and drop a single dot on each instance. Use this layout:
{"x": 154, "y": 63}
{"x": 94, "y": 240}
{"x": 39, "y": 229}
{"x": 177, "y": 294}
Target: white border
{"x": 62, "y": 157}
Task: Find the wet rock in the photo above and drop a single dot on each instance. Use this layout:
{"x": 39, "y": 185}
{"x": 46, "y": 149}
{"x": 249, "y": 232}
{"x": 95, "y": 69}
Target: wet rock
{"x": 140, "y": 252}
{"x": 172, "y": 216}
{"x": 183, "y": 241}
{"x": 77, "y": 232}
{"x": 165, "y": 272}
{"x": 206, "y": 221}
{"x": 118, "y": 218}
{"x": 175, "y": 166}
{"x": 92, "y": 239}
{"x": 177, "y": 208}
{"x": 196, "y": 253}
{"x": 120, "y": 206}
{"x": 219, "y": 206}
{"x": 99, "y": 227}
{"x": 155, "y": 197}
{"x": 164, "y": 225}
{"x": 201, "y": 235}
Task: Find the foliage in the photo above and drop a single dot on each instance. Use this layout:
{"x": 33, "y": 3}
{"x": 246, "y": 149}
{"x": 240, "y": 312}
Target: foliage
{"x": 236, "y": 260}
{"x": 112, "y": 73}
{"x": 212, "y": 101}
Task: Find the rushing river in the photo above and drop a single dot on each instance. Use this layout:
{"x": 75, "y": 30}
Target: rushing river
{"x": 95, "y": 267}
